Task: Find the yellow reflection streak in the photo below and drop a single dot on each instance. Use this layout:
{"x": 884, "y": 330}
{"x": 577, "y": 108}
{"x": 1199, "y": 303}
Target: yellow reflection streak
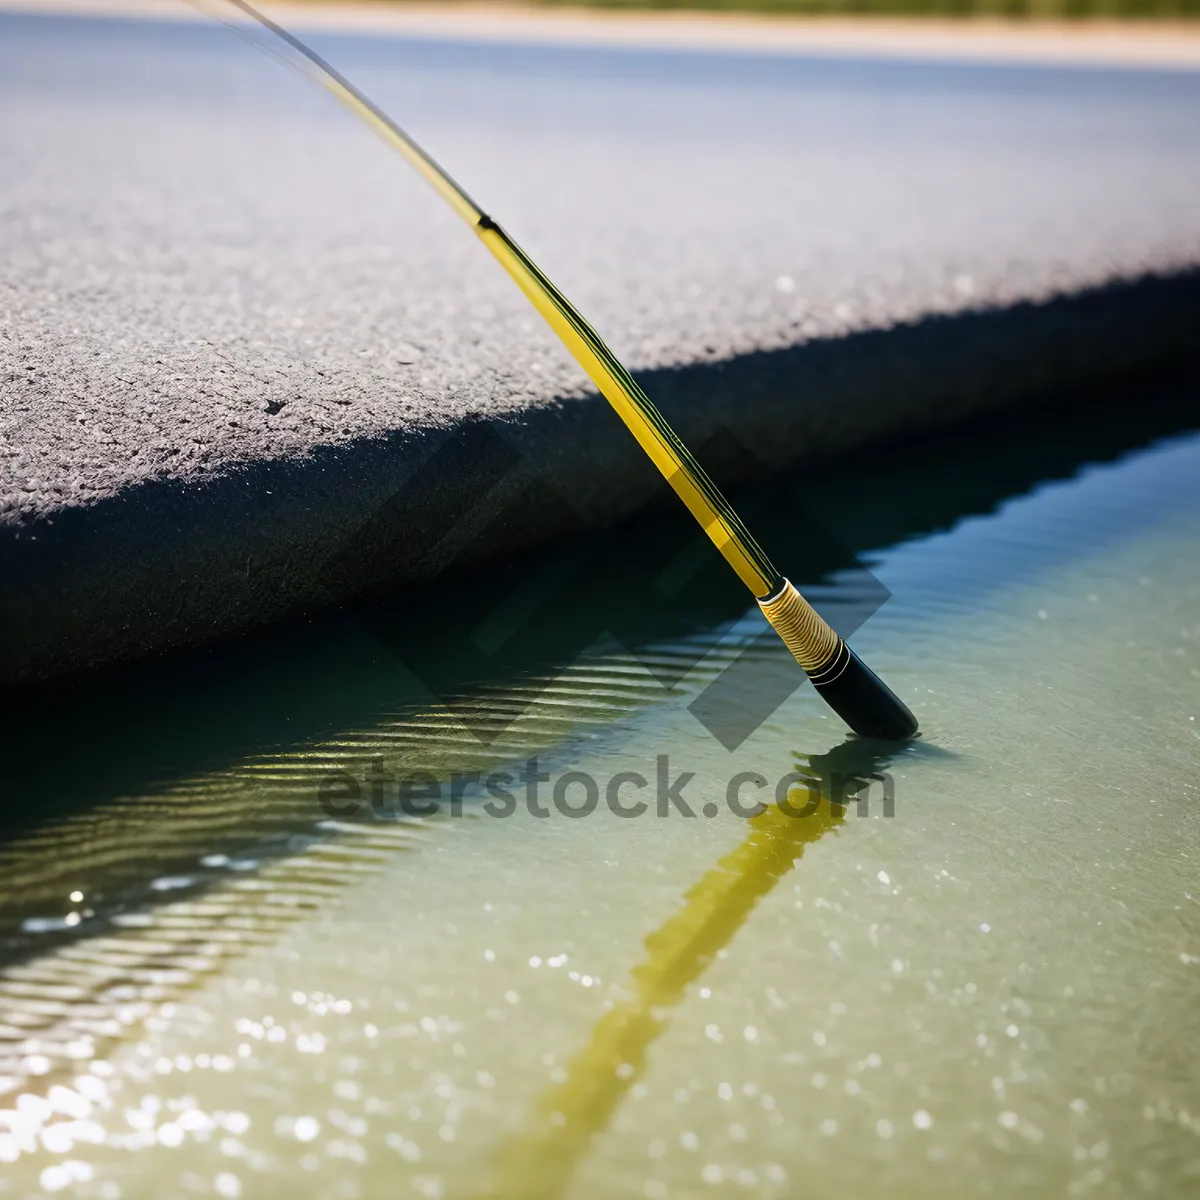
{"x": 538, "y": 1163}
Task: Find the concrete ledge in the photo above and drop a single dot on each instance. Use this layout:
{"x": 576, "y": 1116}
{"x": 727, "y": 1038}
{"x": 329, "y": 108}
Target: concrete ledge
{"x": 166, "y": 563}
{"x": 251, "y": 367}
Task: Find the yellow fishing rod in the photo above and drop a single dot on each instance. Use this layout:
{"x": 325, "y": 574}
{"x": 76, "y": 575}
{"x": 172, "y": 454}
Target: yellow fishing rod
{"x": 849, "y": 686}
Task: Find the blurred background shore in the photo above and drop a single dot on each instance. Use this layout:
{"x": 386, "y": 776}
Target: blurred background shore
{"x": 1142, "y": 32}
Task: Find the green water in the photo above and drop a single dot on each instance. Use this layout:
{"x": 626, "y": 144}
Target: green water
{"x": 210, "y": 985}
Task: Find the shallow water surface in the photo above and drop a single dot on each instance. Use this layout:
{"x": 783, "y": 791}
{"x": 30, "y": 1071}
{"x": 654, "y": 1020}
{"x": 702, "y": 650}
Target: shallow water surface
{"x": 224, "y": 975}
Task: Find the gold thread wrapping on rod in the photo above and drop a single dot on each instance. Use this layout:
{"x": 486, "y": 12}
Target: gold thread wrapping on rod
{"x": 804, "y": 633}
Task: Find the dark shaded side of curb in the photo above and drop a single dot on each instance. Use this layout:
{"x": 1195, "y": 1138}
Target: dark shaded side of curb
{"x": 167, "y": 563}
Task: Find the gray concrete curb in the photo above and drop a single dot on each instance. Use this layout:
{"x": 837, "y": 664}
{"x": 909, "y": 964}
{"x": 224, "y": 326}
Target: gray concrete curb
{"x": 168, "y": 563}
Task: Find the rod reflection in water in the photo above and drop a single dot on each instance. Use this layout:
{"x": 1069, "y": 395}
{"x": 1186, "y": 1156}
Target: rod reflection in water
{"x": 538, "y": 1163}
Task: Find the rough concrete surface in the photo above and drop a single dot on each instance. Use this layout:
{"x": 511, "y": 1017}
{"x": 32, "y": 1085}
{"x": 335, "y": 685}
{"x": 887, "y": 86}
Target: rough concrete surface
{"x": 235, "y": 328}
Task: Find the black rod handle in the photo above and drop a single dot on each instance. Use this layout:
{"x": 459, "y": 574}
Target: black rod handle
{"x": 843, "y": 680}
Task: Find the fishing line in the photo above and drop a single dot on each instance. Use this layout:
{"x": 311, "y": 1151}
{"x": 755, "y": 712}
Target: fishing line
{"x": 863, "y": 701}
